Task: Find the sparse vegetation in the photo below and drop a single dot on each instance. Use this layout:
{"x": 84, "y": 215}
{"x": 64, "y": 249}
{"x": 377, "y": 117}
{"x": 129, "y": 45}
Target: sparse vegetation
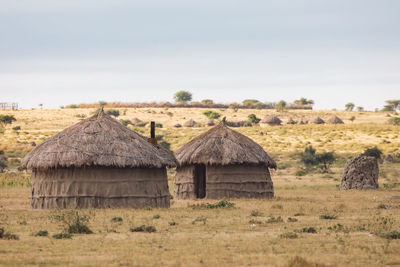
{"x": 221, "y": 204}
{"x": 144, "y": 228}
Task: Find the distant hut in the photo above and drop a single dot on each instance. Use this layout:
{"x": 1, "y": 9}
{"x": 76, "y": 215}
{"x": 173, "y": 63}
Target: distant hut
{"x": 335, "y": 120}
{"x": 303, "y": 122}
{"x": 210, "y": 123}
{"x": 189, "y": 123}
{"x": 223, "y": 163}
{"x": 177, "y": 125}
{"x": 291, "y": 121}
{"x": 270, "y": 120}
{"x": 135, "y": 121}
{"x": 317, "y": 120}
{"x": 99, "y": 163}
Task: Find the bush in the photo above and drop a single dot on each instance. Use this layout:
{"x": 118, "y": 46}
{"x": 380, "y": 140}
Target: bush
{"x": 8, "y": 235}
{"x": 373, "y": 152}
{"x": 256, "y": 213}
{"x": 390, "y": 235}
{"x": 144, "y": 228}
{"x": 328, "y": 217}
{"x": 16, "y": 128}
{"x": 156, "y": 216}
{"x": 312, "y": 159}
{"x": 73, "y": 222}
{"x": 62, "y": 236}
{"x": 221, "y": 204}
{"x": 300, "y": 173}
{"x": 117, "y": 219}
{"x": 275, "y": 219}
{"x": 253, "y": 118}
{"x": 394, "y": 121}
{"x": 113, "y": 112}
{"x": 126, "y": 122}
{"x": 158, "y": 125}
{"x": 42, "y": 233}
{"x": 211, "y": 114}
{"x": 289, "y": 235}
{"x": 309, "y": 230}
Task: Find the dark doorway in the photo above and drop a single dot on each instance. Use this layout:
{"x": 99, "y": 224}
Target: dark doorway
{"x": 200, "y": 180}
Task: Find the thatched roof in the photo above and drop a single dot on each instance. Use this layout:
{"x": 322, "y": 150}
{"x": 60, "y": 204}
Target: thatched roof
{"x": 135, "y": 121}
{"x": 98, "y": 141}
{"x": 335, "y": 120}
{"x": 317, "y": 120}
{"x": 223, "y": 146}
{"x": 271, "y": 120}
{"x": 189, "y": 123}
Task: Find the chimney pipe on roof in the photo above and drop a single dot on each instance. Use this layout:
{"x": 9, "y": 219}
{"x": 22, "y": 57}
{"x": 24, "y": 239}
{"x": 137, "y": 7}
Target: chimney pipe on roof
{"x": 152, "y": 138}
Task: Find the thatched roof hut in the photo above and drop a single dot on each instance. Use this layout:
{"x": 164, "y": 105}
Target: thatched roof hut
{"x": 177, "y": 125}
{"x": 317, "y": 120}
{"x": 223, "y": 163}
{"x": 270, "y": 120}
{"x": 291, "y": 121}
{"x": 335, "y": 120}
{"x": 210, "y": 123}
{"x": 189, "y": 123}
{"x": 135, "y": 121}
{"x": 99, "y": 163}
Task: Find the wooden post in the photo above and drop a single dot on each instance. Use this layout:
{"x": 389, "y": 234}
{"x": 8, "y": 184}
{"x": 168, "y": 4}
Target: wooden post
{"x": 152, "y": 138}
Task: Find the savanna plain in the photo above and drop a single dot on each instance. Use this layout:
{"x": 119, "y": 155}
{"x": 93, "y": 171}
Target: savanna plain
{"x": 309, "y": 222}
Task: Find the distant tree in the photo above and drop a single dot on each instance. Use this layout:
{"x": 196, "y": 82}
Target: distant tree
{"x": 211, "y": 114}
{"x": 113, "y": 112}
{"x": 352, "y": 118}
{"x": 388, "y": 108}
{"x": 253, "y": 118}
{"x": 360, "y": 108}
{"x": 304, "y": 102}
{"x": 207, "y": 102}
{"x": 394, "y": 103}
{"x": 235, "y": 106}
{"x": 308, "y": 157}
{"x": 311, "y": 159}
{"x": 251, "y": 102}
{"x": 280, "y": 106}
{"x": 183, "y": 96}
{"x": 373, "y": 152}
{"x": 102, "y": 104}
{"x": 350, "y": 106}
{"x": 6, "y": 119}
{"x": 3, "y": 161}
{"x": 325, "y": 160}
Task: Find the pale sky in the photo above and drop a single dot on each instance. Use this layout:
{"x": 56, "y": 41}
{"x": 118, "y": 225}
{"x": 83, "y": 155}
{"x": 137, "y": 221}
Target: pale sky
{"x": 69, "y": 51}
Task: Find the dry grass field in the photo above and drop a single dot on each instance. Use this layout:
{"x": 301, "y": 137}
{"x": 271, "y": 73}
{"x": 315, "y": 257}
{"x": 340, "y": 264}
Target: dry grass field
{"x": 308, "y": 223}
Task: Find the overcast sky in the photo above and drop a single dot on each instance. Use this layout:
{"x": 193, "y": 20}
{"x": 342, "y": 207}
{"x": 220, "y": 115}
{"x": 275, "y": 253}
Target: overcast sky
{"x": 69, "y": 51}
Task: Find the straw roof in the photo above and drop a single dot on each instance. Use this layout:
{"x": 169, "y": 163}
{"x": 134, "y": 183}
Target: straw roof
{"x": 335, "y": 120}
{"x": 135, "y": 121}
{"x": 317, "y": 120}
{"x": 223, "y": 146}
{"x": 189, "y": 123}
{"x": 271, "y": 120}
{"x": 98, "y": 141}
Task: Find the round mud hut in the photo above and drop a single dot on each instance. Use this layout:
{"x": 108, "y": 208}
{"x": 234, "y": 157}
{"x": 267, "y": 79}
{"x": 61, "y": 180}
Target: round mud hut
{"x": 222, "y": 163}
{"x": 335, "y": 120}
{"x": 360, "y": 173}
{"x": 99, "y": 163}
{"x": 271, "y": 121}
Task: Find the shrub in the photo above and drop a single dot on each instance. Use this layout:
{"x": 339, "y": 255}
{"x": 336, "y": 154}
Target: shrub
{"x": 16, "y": 128}
{"x": 390, "y": 235}
{"x": 275, "y": 219}
{"x": 202, "y": 219}
{"x": 373, "y": 152}
{"x": 394, "y": 121}
{"x": 253, "y": 118}
{"x": 221, "y": 204}
{"x": 62, "y": 236}
{"x": 300, "y": 173}
{"x": 113, "y": 112}
{"x": 312, "y": 159}
{"x": 117, "y": 219}
{"x": 328, "y": 217}
{"x": 309, "y": 230}
{"x": 126, "y": 122}
{"x": 290, "y": 219}
{"x": 156, "y": 216}
{"x": 144, "y": 228}
{"x": 71, "y": 106}
{"x": 8, "y": 235}
{"x": 73, "y": 221}
{"x": 158, "y": 125}
{"x": 172, "y": 223}
{"x": 338, "y": 228}
{"x": 289, "y": 235}
{"x": 211, "y": 114}
{"x": 256, "y": 213}
{"x": 42, "y": 233}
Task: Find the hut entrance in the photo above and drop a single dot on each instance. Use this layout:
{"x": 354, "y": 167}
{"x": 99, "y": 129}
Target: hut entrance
{"x": 200, "y": 180}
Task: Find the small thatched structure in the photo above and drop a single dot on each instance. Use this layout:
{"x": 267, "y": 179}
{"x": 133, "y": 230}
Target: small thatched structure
{"x": 223, "y": 163}
{"x": 135, "y": 121}
{"x": 270, "y": 120}
{"x": 360, "y": 173}
{"x": 317, "y": 120}
{"x": 210, "y": 123}
{"x": 177, "y": 125}
{"x": 335, "y": 120}
{"x": 291, "y": 121}
{"x": 189, "y": 123}
{"x": 99, "y": 163}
